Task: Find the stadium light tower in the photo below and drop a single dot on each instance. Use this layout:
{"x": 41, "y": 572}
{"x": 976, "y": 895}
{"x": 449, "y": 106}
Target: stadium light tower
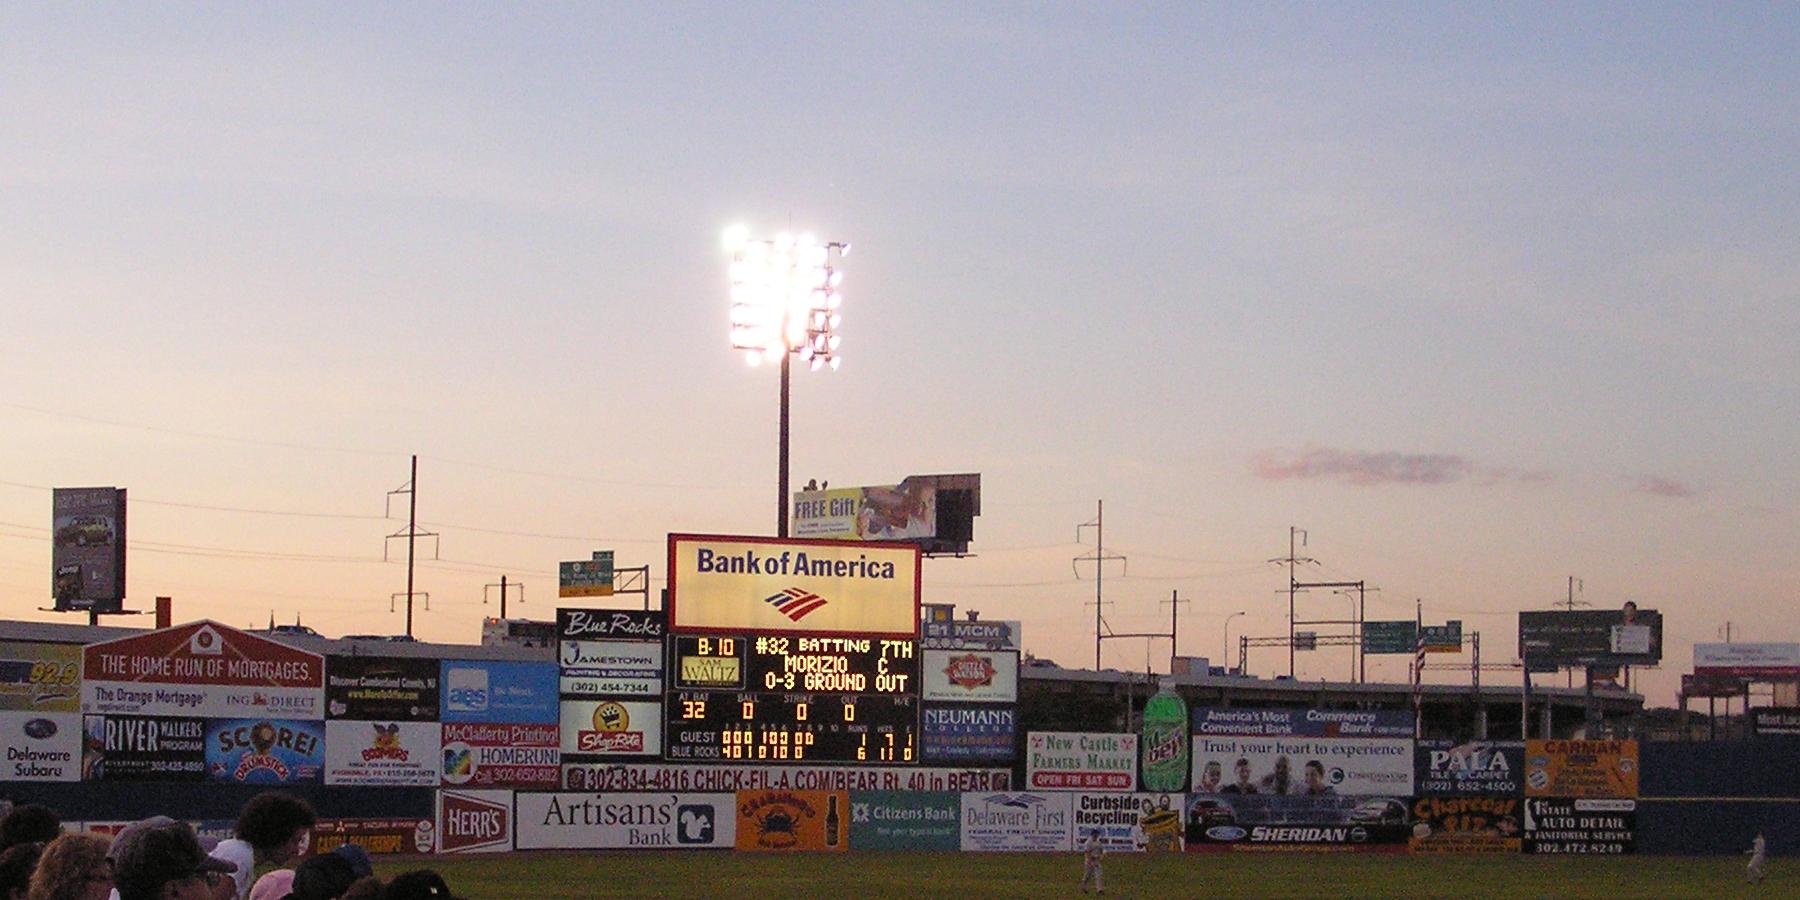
{"x": 784, "y": 303}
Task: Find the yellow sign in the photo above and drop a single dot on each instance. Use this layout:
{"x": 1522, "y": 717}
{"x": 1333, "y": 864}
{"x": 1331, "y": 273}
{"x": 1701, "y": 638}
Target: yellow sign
{"x": 751, "y": 584}
{"x": 793, "y": 820}
{"x": 40, "y": 677}
{"x": 1581, "y": 769}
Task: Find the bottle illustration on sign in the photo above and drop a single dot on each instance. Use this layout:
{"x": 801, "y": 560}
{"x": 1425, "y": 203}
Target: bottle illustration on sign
{"x": 831, "y": 822}
{"x": 1165, "y": 741}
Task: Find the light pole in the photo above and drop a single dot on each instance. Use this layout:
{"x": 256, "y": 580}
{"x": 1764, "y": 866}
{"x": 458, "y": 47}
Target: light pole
{"x": 784, "y": 301}
{"x": 1226, "y": 655}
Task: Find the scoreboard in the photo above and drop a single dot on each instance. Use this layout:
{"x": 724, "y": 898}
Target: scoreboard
{"x": 792, "y": 699}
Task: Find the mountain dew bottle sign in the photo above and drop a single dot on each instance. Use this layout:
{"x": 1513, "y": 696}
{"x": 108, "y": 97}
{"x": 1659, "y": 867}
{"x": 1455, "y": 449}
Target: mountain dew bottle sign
{"x": 1165, "y": 743}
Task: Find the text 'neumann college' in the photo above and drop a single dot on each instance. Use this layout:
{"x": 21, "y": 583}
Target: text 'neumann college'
{"x": 789, "y": 563}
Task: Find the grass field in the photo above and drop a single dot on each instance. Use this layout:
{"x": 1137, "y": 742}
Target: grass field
{"x": 978, "y": 876}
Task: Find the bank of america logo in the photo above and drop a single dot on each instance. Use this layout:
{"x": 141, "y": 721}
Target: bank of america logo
{"x": 795, "y": 603}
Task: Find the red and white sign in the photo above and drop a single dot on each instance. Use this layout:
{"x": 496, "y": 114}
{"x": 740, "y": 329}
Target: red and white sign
{"x": 611, "y": 727}
{"x": 477, "y": 754}
{"x": 970, "y": 676}
{"x": 474, "y": 821}
{"x": 1748, "y": 660}
{"x": 202, "y": 669}
{"x": 1075, "y": 761}
{"x": 382, "y": 753}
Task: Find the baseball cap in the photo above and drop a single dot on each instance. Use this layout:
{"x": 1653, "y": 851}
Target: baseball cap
{"x": 148, "y": 854}
{"x": 322, "y": 877}
{"x": 420, "y": 884}
{"x": 357, "y": 857}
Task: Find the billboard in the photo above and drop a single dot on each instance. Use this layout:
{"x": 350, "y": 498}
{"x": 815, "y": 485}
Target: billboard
{"x": 1130, "y": 823}
{"x": 970, "y": 676}
{"x": 474, "y": 821}
{"x": 202, "y": 669}
{"x": 1304, "y": 766}
{"x": 375, "y": 836}
{"x": 1073, "y": 761}
{"x": 383, "y": 753}
{"x": 1622, "y": 637}
{"x": 1580, "y": 825}
{"x": 1215, "y": 720}
{"x": 660, "y": 821}
{"x": 611, "y": 624}
{"x": 499, "y": 693}
{"x": 374, "y": 688}
{"x": 1714, "y": 685}
{"x": 143, "y": 748}
{"x": 679, "y": 777}
{"x": 1775, "y": 722}
{"x": 1766, "y": 661}
{"x": 265, "y": 751}
{"x": 1018, "y": 822}
{"x": 601, "y": 668}
{"x": 612, "y": 727}
{"x": 974, "y": 733}
{"x": 41, "y": 746}
{"x": 1321, "y": 822}
{"x": 487, "y": 755}
{"x": 87, "y": 549}
{"x": 753, "y": 584}
{"x": 896, "y": 820}
{"x": 793, "y": 820}
{"x": 1487, "y": 768}
{"x": 1467, "y": 824}
{"x": 970, "y": 634}
{"x": 1586, "y": 769}
{"x": 894, "y": 512}
{"x": 40, "y": 677}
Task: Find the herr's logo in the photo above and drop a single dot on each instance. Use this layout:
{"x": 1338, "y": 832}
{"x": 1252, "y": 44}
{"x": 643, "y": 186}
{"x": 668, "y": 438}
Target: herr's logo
{"x": 795, "y": 603}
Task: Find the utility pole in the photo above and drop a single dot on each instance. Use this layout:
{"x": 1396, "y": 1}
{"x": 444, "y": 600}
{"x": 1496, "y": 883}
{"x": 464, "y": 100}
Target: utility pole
{"x": 412, "y": 534}
{"x": 1293, "y": 584}
{"x": 1174, "y": 602}
{"x": 1099, "y": 559}
{"x": 504, "y": 586}
{"x": 1575, "y": 584}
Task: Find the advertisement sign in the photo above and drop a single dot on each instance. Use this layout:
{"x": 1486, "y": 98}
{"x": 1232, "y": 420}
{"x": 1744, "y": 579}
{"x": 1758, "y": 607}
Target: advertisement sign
{"x": 1214, "y": 720}
{"x": 498, "y": 693}
{"x": 1390, "y": 636}
{"x": 486, "y": 755}
{"x": 371, "y": 688}
{"x": 970, "y": 676}
{"x": 660, "y": 821}
{"x": 881, "y": 513}
{"x": 41, "y": 746}
{"x": 600, "y": 668}
{"x": 611, "y": 728}
{"x": 969, "y": 733}
{"x": 1072, "y": 761}
{"x": 970, "y": 634}
{"x": 707, "y": 778}
{"x": 1766, "y": 661}
{"x": 1488, "y": 768}
{"x": 1018, "y": 823}
{"x": 793, "y": 820}
{"x": 143, "y": 748}
{"x": 1130, "y": 823}
{"x": 376, "y": 836}
{"x": 1445, "y": 638}
{"x": 1580, "y": 825}
{"x": 1581, "y": 769}
{"x": 202, "y": 669}
{"x": 1322, "y": 823}
{"x": 265, "y": 751}
{"x": 586, "y": 577}
{"x": 1303, "y": 766}
{"x": 87, "y": 549}
{"x": 611, "y": 624}
{"x": 1775, "y": 721}
{"x": 474, "y": 821}
{"x": 1714, "y": 685}
{"x": 1622, "y": 637}
{"x": 894, "y": 820}
{"x": 1466, "y": 824}
{"x": 383, "y": 753}
{"x": 40, "y": 677}
{"x": 751, "y": 584}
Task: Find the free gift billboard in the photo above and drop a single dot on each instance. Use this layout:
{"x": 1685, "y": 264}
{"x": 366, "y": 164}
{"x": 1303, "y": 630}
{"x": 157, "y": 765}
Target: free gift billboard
{"x": 752, "y": 584}
{"x": 202, "y": 669}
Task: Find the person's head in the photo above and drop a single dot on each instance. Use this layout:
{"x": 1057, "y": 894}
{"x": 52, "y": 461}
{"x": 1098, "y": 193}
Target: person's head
{"x": 1315, "y": 775}
{"x": 276, "y": 826}
{"x": 73, "y": 867}
{"x": 369, "y": 888}
{"x": 1214, "y": 773}
{"x": 16, "y": 866}
{"x": 273, "y": 885}
{"x": 323, "y": 877}
{"x": 161, "y": 859}
{"x": 27, "y": 823}
{"x": 1242, "y": 768}
{"x": 419, "y": 884}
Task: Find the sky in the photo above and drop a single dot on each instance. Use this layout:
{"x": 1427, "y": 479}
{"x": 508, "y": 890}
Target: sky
{"x": 1482, "y": 299}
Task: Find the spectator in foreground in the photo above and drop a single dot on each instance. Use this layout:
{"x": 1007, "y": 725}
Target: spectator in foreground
{"x": 273, "y": 886}
{"x": 161, "y": 859}
{"x": 16, "y": 866}
{"x": 419, "y": 884}
{"x": 369, "y": 888}
{"x": 73, "y": 867}
{"x": 272, "y": 829}
{"x": 27, "y": 823}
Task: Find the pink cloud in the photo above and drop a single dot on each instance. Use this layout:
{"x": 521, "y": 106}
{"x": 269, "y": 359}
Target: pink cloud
{"x": 1658, "y": 486}
{"x": 1385, "y": 467}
